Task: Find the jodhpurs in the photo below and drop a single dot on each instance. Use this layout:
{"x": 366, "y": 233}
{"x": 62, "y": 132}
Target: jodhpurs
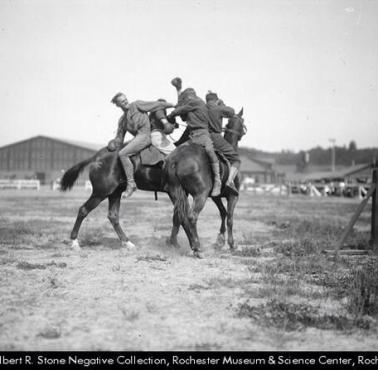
{"x": 202, "y": 137}
{"x": 139, "y": 142}
{"x": 226, "y": 148}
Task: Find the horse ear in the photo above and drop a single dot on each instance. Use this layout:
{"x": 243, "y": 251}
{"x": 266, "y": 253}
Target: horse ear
{"x": 240, "y": 114}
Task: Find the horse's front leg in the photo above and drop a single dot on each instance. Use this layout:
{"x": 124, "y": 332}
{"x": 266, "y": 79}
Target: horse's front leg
{"x": 221, "y": 239}
{"x": 113, "y": 216}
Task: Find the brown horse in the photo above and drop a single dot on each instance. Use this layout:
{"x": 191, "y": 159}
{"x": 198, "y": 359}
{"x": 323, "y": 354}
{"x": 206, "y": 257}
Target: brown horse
{"x": 108, "y": 181}
{"x": 188, "y": 171}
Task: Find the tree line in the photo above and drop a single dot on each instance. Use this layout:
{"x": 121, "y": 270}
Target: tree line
{"x": 344, "y": 155}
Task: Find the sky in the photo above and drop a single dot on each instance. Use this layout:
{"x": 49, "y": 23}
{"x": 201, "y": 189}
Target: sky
{"x": 305, "y": 71}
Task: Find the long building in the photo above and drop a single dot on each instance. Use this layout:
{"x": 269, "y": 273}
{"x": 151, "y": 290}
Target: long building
{"x": 42, "y": 157}
{"x": 46, "y": 158}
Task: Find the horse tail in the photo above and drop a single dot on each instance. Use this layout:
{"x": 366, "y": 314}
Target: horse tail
{"x": 174, "y": 187}
{"x": 181, "y": 204}
{"x": 71, "y": 175}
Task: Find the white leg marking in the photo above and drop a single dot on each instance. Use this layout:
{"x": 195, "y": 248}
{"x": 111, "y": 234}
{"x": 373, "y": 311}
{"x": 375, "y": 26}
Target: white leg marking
{"x": 75, "y": 245}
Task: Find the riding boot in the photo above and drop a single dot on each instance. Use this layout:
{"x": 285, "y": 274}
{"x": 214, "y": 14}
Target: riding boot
{"x": 129, "y": 171}
{"x": 217, "y": 181}
{"x": 230, "y": 184}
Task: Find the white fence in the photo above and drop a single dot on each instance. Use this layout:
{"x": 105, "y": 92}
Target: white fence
{"x": 20, "y": 184}
{"x": 268, "y": 189}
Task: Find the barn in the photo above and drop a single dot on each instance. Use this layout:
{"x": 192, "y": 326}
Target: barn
{"x": 261, "y": 171}
{"x": 42, "y": 157}
{"x": 45, "y": 158}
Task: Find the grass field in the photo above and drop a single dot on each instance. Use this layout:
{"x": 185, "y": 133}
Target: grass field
{"x": 277, "y": 291}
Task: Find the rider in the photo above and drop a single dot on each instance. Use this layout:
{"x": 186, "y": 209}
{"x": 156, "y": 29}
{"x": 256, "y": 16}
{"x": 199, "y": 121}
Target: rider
{"x": 193, "y": 110}
{"x": 134, "y": 120}
{"x": 160, "y": 128}
{"x": 217, "y": 111}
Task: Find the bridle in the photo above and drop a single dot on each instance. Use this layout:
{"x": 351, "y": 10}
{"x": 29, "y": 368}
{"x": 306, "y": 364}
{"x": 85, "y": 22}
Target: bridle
{"x": 239, "y": 133}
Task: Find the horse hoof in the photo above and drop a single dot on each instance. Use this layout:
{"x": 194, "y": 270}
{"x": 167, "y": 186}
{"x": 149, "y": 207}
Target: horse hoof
{"x": 75, "y": 245}
{"x": 128, "y": 245}
{"x": 173, "y": 244}
{"x": 221, "y": 241}
{"x": 197, "y": 254}
{"x": 233, "y": 247}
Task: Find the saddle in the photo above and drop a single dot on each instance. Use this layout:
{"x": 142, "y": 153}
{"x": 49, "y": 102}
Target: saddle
{"x": 151, "y": 156}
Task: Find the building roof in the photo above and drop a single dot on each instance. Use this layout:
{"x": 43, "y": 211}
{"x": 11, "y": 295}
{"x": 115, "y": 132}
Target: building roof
{"x": 342, "y": 173}
{"x": 251, "y": 165}
{"x": 80, "y": 144}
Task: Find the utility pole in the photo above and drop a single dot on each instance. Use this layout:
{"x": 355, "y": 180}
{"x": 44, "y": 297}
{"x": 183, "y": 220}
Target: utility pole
{"x": 333, "y": 153}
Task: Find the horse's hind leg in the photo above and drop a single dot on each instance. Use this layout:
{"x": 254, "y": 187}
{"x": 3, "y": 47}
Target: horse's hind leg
{"x": 175, "y": 228}
{"x": 221, "y": 240}
{"x": 88, "y": 206}
{"x": 231, "y": 203}
{"x": 177, "y": 222}
{"x": 113, "y": 216}
{"x": 198, "y": 204}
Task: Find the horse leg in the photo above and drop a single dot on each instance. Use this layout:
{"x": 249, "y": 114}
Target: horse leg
{"x": 88, "y": 206}
{"x": 221, "y": 240}
{"x": 231, "y": 203}
{"x": 198, "y": 204}
{"x": 175, "y": 228}
{"x": 177, "y": 221}
{"x": 113, "y": 216}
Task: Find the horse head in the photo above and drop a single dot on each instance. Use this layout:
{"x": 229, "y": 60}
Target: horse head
{"x": 235, "y": 129}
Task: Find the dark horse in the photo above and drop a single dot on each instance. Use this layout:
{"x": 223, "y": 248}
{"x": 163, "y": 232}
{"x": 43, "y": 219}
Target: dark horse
{"x": 188, "y": 168}
{"x": 108, "y": 181}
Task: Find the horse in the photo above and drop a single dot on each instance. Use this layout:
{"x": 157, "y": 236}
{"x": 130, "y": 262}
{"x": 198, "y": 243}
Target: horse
{"x": 188, "y": 171}
{"x": 108, "y": 181}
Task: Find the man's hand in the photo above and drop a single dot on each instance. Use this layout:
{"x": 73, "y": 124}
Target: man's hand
{"x": 177, "y": 83}
{"x": 172, "y": 120}
{"x": 113, "y": 145}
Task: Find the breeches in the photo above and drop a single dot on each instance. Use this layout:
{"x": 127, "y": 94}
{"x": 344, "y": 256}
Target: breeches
{"x": 202, "y": 137}
{"x": 160, "y": 141}
{"x": 139, "y": 142}
{"x": 226, "y": 148}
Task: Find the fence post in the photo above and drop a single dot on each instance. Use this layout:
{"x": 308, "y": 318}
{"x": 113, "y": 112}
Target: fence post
{"x": 374, "y": 209}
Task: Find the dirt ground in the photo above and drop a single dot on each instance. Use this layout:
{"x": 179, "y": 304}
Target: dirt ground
{"x": 158, "y": 298}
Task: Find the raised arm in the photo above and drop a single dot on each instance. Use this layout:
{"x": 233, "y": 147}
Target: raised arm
{"x": 182, "y": 110}
{"x": 152, "y": 106}
{"x": 177, "y": 83}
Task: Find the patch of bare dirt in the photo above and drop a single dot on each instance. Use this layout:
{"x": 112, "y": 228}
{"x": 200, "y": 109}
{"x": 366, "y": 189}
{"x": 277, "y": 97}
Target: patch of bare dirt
{"x": 153, "y": 297}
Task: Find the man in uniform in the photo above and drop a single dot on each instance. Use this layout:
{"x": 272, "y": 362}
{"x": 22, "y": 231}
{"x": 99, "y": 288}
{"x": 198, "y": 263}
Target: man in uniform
{"x": 217, "y": 111}
{"x": 193, "y": 110}
{"x": 135, "y": 121}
